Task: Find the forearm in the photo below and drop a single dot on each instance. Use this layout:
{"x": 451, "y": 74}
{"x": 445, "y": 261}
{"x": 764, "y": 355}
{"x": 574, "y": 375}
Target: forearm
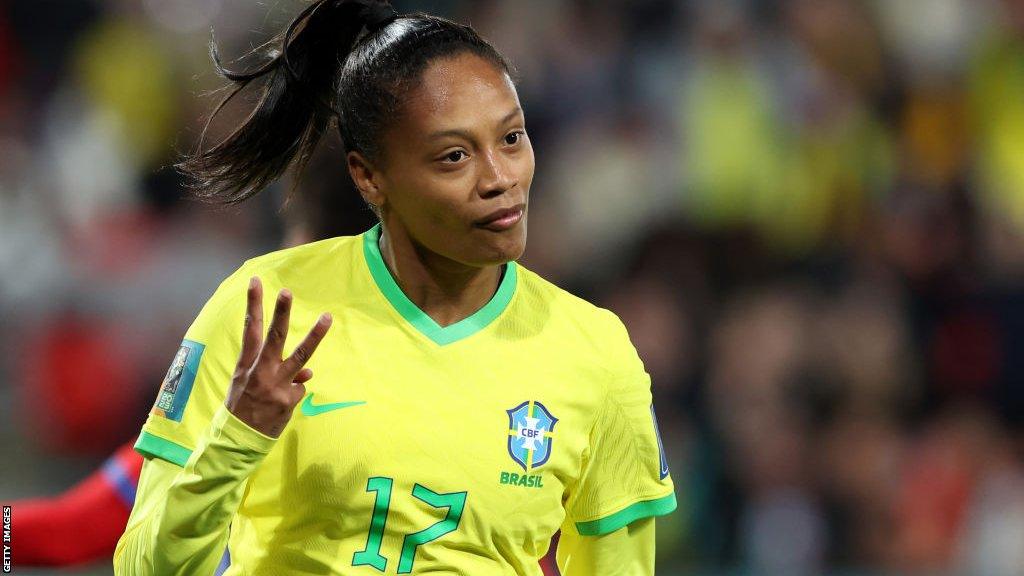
{"x": 628, "y": 551}
{"x": 181, "y": 517}
{"x": 51, "y": 531}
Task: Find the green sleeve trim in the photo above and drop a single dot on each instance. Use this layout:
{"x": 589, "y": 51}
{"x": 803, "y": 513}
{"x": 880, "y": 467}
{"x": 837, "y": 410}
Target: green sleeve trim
{"x": 624, "y": 517}
{"x": 157, "y": 447}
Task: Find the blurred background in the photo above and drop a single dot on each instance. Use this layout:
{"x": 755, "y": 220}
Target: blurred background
{"x": 809, "y": 214}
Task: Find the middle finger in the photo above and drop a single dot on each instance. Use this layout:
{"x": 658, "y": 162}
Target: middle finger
{"x": 278, "y": 331}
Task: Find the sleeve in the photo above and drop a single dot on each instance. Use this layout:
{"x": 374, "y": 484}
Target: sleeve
{"x": 121, "y": 473}
{"x": 197, "y": 380}
{"x": 180, "y": 523}
{"x": 626, "y": 551}
{"x": 199, "y": 456}
{"x": 624, "y": 474}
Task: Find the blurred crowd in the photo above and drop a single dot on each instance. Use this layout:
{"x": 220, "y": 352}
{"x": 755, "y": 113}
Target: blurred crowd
{"x": 809, "y": 214}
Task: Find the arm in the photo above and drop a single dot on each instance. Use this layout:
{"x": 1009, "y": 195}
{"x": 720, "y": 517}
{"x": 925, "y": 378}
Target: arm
{"x": 628, "y": 551}
{"x": 182, "y": 515}
{"x": 180, "y": 521}
{"x": 623, "y": 480}
{"x": 50, "y": 529}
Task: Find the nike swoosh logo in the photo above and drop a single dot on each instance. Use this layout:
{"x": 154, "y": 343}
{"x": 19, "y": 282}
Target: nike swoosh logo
{"x": 310, "y": 409}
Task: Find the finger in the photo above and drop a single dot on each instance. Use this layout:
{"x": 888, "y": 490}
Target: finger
{"x": 305, "y": 349}
{"x": 252, "y": 328}
{"x": 304, "y": 375}
{"x": 274, "y": 343}
{"x": 298, "y": 392}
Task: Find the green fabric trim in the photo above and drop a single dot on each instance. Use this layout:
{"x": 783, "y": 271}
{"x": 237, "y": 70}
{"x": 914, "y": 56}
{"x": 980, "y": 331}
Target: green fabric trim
{"x": 155, "y": 446}
{"x": 624, "y": 517}
{"x": 418, "y": 318}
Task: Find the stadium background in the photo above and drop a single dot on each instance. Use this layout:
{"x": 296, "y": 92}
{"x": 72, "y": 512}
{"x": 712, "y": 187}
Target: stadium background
{"x": 809, "y": 213}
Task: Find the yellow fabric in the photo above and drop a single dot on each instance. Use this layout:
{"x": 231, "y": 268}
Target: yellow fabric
{"x": 997, "y": 114}
{"x": 179, "y": 524}
{"x": 435, "y": 430}
{"x": 627, "y": 551}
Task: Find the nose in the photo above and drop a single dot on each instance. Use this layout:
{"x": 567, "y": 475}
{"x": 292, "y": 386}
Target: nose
{"x": 496, "y": 175}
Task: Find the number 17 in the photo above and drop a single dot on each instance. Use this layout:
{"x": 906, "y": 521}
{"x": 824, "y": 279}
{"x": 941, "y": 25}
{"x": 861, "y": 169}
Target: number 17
{"x": 455, "y": 502}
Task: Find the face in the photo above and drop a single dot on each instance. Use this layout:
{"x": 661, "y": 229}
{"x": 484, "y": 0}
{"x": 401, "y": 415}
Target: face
{"x": 458, "y": 167}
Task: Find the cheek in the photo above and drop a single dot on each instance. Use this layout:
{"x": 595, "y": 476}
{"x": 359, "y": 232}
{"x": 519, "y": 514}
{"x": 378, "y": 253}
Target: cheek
{"x": 526, "y": 167}
{"x": 448, "y": 196}
{"x": 430, "y": 201}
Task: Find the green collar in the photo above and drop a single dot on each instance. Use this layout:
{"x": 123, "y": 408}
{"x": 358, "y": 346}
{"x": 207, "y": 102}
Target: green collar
{"x": 418, "y": 318}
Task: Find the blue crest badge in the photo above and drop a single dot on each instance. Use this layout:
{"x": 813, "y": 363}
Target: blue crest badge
{"x": 177, "y": 384}
{"x": 530, "y": 429}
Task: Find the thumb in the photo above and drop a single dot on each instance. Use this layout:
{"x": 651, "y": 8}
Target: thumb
{"x": 303, "y": 376}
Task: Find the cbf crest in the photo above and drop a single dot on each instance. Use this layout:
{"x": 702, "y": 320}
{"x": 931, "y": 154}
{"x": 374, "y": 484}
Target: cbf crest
{"x": 531, "y": 428}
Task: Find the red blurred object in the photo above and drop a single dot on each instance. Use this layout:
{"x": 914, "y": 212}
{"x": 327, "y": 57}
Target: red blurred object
{"x": 967, "y": 353}
{"x": 116, "y": 243}
{"x": 82, "y": 524}
{"x": 547, "y": 563}
{"x": 80, "y": 393}
{"x": 932, "y": 501}
{"x": 8, "y": 57}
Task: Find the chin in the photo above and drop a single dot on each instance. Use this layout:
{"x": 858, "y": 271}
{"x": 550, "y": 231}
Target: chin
{"x": 504, "y": 247}
{"x": 516, "y": 244}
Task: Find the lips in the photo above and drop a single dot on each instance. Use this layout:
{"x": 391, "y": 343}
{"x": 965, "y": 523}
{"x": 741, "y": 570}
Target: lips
{"x": 501, "y": 220}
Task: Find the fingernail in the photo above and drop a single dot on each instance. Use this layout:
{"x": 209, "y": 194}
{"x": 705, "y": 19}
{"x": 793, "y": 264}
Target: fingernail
{"x": 285, "y": 293}
{"x": 325, "y": 318}
{"x": 252, "y": 282}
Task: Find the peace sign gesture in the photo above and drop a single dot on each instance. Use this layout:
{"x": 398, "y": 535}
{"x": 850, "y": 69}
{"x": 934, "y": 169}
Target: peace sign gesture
{"x": 265, "y": 388}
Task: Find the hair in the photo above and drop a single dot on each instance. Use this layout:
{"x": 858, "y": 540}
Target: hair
{"x": 339, "y": 62}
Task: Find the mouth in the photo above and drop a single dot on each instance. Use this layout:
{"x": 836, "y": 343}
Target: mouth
{"x": 501, "y": 220}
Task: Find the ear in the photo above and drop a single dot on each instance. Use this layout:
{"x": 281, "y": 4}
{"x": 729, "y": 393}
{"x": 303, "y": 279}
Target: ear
{"x": 366, "y": 178}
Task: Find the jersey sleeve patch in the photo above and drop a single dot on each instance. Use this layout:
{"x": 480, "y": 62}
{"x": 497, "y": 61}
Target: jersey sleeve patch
{"x": 177, "y": 384}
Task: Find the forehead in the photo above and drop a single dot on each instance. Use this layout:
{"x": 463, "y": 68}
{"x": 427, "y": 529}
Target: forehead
{"x": 461, "y": 92}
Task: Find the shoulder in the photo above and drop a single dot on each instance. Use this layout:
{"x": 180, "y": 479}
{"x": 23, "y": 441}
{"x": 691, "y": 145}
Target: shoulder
{"x": 303, "y": 269}
{"x": 584, "y": 323}
{"x": 301, "y": 256}
{"x": 568, "y": 306}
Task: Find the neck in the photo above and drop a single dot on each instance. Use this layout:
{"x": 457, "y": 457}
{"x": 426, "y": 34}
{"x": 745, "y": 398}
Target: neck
{"x": 445, "y": 290}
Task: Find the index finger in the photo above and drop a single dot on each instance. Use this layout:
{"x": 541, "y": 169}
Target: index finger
{"x": 273, "y": 346}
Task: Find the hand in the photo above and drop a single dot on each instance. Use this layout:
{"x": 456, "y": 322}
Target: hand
{"x": 264, "y": 388}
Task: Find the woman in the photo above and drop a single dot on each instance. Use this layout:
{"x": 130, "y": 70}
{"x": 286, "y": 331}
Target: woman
{"x": 464, "y": 409}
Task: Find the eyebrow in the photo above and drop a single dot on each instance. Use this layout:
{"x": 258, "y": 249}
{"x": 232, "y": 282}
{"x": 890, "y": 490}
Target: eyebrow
{"x": 465, "y": 134}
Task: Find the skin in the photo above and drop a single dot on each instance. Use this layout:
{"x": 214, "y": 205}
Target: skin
{"x": 265, "y": 387}
{"x": 455, "y": 154}
{"x": 458, "y": 152}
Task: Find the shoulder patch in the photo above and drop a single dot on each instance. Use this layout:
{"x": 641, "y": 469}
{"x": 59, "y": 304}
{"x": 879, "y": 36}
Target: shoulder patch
{"x": 177, "y": 384}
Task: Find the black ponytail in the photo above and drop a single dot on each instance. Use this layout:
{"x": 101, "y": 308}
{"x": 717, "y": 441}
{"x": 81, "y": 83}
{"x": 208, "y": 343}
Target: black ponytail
{"x": 293, "y": 111}
{"x": 329, "y": 68}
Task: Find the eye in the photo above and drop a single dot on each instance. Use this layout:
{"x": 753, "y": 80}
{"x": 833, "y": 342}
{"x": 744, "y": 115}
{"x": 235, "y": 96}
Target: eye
{"x": 513, "y": 138}
{"x": 455, "y": 156}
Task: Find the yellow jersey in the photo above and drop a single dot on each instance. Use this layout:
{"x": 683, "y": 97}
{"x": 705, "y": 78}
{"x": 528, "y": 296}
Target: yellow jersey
{"x": 420, "y": 448}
